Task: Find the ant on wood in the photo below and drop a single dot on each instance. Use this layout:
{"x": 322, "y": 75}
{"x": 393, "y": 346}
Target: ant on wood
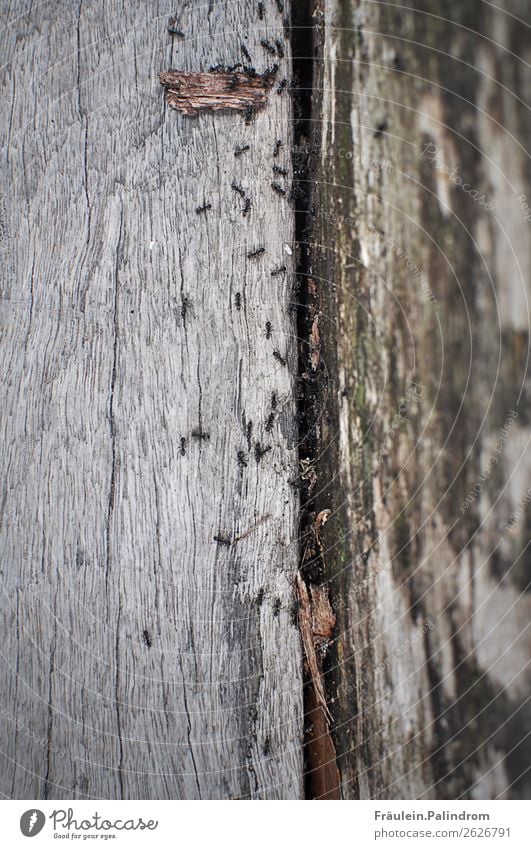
{"x": 278, "y": 188}
{"x": 172, "y": 30}
{"x": 260, "y": 450}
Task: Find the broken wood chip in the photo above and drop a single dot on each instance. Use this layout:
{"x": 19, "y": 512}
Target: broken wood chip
{"x": 316, "y": 624}
{"x": 320, "y": 520}
{"x": 191, "y": 93}
{"x": 315, "y": 344}
{"x": 322, "y": 616}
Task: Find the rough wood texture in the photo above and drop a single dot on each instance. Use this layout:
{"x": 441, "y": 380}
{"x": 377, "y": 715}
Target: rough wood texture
{"x": 420, "y": 290}
{"x": 317, "y": 622}
{"x": 216, "y": 91}
{"x": 140, "y": 657}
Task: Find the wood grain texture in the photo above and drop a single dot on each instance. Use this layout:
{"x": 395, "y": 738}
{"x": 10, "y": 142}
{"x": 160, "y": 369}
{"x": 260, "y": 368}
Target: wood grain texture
{"x": 216, "y": 91}
{"x": 141, "y": 658}
{"x": 421, "y": 292}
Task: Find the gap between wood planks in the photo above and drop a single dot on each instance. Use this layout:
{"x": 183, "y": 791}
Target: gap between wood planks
{"x": 240, "y": 87}
{"x": 316, "y": 618}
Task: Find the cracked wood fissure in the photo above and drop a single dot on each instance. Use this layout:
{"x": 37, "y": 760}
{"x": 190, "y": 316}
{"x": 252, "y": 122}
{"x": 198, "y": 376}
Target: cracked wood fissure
{"x": 141, "y": 657}
{"x": 315, "y": 615}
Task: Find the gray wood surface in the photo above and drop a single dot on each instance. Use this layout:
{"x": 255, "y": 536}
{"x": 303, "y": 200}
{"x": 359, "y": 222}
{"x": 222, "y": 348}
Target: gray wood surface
{"x": 423, "y": 309}
{"x": 139, "y": 657}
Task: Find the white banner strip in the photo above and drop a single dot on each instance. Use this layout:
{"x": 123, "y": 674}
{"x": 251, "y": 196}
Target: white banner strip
{"x": 282, "y": 824}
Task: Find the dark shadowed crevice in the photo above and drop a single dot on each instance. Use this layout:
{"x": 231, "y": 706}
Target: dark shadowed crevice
{"x": 321, "y": 774}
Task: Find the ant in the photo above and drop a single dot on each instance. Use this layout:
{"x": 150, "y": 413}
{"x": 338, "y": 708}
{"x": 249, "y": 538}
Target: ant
{"x": 249, "y": 434}
{"x": 221, "y": 540}
{"x": 203, "y": 208}
{"x": 261, "y": 11}
{"x": 278, "y": 188}
{"x": 246, "y": 207}
{"x": 280, "y": 270}
{"x": 278, "y": 356}
{"x": 280, "y": 48}
{"x": 238, "y": 189}
{"x": 270, "y": 422}
{"x": 260, "y": 450}
{"x": 172, "y": 30}
{"x": 240, "y": 150}
{"x": 268, "y": 330}
{"x": 278, "y": 170}
{"x": 242, "y": 462}
{"x": 183, "y": 446}
{"x": 255, "y": 253}
{"x": 380, "y": 129}
{"x": 198, "y": 433}
{"x": 245, "y": 52}
{"x": 185, "y": 304}
{"x": 294, "y": 611}
{"x": 273, "y": 400}
{"x": 282, "y": 85}
{"x": 270, "y": 72}
{"x": 238, "y": 301}
{"x": 277, "y": 607}
{"x": 268, "y": 46}
{"x": 278, "y": 145}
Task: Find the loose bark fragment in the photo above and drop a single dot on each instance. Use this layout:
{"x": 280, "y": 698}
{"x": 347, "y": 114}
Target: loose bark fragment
{"x": 323, "y": 617}
{"x": 316, "y": 619}
{"x": 320, "y": 520}
{"x": 191, "y": 93}
{"x": 315, "y": 344}
{"x": 322, "y": 774}
{"x": 317, "y": 622}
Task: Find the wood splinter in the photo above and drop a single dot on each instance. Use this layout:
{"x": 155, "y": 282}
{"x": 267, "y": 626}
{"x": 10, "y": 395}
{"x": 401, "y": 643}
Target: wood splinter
{"x": 191, "y": 93}
{"x": 317, "y": 622}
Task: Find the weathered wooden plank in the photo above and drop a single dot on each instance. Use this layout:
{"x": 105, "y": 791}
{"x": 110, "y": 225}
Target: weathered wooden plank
{"x": 140, "y": 657}
{"x": 420, "y": 291}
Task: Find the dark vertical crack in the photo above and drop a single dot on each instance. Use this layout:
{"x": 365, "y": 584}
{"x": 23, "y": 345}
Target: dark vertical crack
{"x": 255, "y": 682}
{"x": 13, "y": 98}
{"x": 321, "y": 776}
{"x": 189, "y": 731}
{"x": 112, "y": 421}
{"x": 111, "y": 501}
{"x": 308, "y": 380}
